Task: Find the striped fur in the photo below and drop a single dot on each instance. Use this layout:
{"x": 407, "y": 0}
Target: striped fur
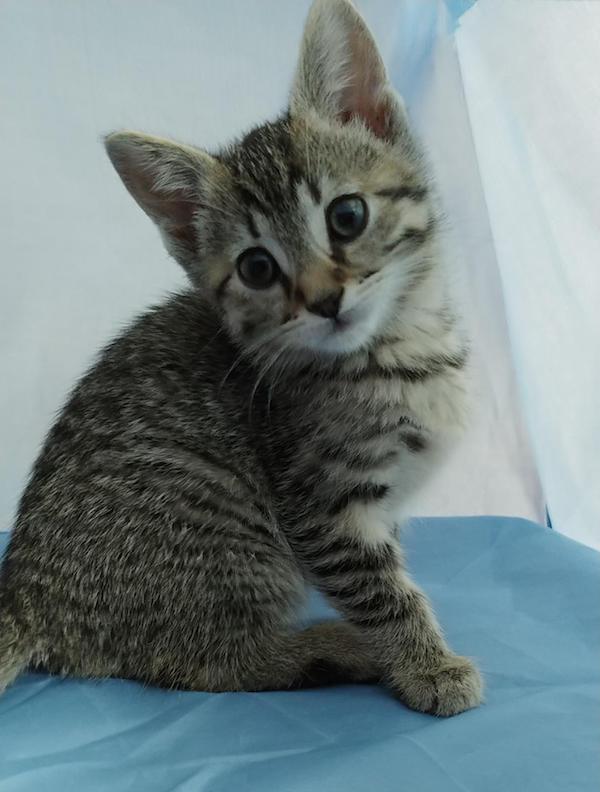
{"x": 232, "y": 445}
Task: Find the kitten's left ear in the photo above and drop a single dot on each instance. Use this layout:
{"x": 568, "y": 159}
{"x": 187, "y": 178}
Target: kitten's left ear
{"x": 165, "y": 179}
{"x": 340, "y": 72}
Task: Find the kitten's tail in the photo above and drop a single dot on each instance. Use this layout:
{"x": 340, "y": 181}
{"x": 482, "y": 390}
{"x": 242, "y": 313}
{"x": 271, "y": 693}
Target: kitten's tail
{"x": 14, "y": 653}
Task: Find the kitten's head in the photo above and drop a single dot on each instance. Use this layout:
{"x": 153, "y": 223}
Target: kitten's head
{"x": 309, "y": 231}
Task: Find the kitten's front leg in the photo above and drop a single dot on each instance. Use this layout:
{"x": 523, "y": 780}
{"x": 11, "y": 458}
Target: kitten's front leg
{"x": 356, "y": 562}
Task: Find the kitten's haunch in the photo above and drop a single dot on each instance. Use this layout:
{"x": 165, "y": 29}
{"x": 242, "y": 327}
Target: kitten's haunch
{"x": 264, "y": 429}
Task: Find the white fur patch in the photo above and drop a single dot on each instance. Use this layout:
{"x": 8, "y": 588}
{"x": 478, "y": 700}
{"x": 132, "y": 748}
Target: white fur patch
{"x": 314, "y": 215}
{"x": 415, "y": 215}
{"x": 370, "y": 524}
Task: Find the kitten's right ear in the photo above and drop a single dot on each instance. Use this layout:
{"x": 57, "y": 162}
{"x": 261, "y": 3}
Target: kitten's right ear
{"x": 164, "y": 178}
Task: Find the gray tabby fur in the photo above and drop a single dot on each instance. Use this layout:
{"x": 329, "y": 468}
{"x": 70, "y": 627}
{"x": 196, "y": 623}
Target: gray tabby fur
{"x": 232, "y": 444}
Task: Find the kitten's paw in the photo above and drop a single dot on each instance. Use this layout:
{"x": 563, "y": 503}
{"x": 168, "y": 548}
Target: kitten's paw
{"x": 451, "y": 686}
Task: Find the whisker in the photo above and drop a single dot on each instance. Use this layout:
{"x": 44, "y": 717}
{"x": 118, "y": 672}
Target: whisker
{"x": 244, "y": 352}
{"x": 254, "y": 349}
{"x": 212, "y": 338}
{"x": 234, "y": 365}
{"x": 277, "y": 378}
{"x": 261, "y": 375}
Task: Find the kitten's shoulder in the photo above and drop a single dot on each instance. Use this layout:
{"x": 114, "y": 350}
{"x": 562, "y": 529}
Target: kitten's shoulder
{"x": 181, "y": 318}
{"x": 178, "y": 340}
{"x": 184, "y": 329}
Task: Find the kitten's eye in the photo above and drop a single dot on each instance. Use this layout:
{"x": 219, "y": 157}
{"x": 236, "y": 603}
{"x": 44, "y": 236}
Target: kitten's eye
{"x": 347, "y": 217}
{"x": 257, "y": 268}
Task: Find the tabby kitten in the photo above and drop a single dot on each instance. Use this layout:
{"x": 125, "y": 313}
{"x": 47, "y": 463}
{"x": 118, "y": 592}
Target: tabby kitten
{"x": 262, "y": 429}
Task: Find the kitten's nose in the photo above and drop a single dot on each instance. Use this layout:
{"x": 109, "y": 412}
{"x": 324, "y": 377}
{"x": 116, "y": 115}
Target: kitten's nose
{"x": 327, "y": 306}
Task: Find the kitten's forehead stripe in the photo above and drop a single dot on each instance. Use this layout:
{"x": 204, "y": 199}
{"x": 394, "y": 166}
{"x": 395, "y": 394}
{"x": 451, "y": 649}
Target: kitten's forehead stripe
{"x": 252, "y": 201}
{"x": 415, "y": 237}
{"x": 251, "y": 223}
{"x": 264, "y": 165}
{"x": 294, "y": 175}
{"x": 397, "y": 193}
{"x": 222, "y": 286}
{"x": 313, "y": 189}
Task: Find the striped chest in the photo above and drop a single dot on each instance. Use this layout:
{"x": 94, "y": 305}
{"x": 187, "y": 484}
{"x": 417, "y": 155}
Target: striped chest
{"x": 373, "y": 436}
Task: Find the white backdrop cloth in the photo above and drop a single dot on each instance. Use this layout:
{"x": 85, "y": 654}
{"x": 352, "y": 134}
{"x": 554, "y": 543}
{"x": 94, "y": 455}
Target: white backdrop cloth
{"x": 531, "y": 73}
{"x": 79, "y": 258}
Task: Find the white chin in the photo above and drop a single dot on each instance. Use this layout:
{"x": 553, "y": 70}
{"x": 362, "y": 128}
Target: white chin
{"x": 343, "y": 342}
{"x": 330, "y": 339}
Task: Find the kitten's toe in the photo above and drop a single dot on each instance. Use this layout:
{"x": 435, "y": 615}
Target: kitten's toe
{"x": 453, "y": 685}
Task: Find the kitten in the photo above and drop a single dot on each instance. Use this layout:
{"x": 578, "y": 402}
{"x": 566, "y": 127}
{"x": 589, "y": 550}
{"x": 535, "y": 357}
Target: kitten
{"x": 262, "y": 429}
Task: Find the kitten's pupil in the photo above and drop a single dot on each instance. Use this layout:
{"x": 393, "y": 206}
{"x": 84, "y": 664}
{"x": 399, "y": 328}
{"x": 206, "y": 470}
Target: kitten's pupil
{"x": 347, "y": 217}
{"x": 257, "y": 268}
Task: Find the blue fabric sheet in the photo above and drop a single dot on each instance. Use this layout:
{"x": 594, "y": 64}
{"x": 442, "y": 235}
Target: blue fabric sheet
{"x": 520, "y": 598}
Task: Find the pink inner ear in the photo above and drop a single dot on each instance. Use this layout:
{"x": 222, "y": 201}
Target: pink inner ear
{"x": 179, "y": 216}
{"x": 375, "y": 116}
{"x": 178, "y": 211}
{"x": 175, "y": 207}
{"x": 361, "y": 97}
{"x": 185, "y": 235}
{"x": 174, "y": 210}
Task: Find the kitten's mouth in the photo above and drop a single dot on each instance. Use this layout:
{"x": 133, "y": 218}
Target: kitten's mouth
{"x": 340, "y": 335}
